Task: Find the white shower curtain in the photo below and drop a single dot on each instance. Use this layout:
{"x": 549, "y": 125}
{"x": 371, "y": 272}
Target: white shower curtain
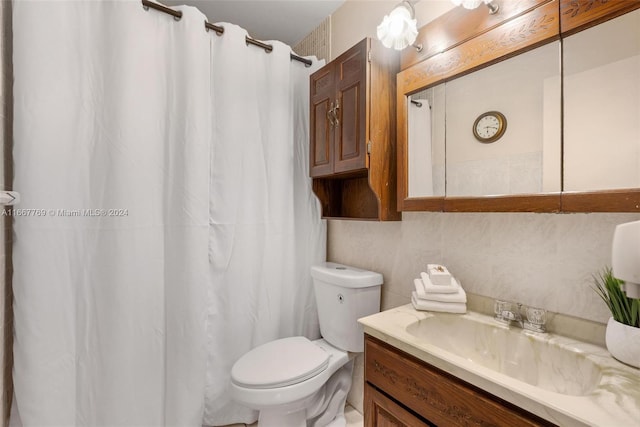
{"x": 264, "y": 220}
{"x": 420, "y": 149}
{"x": 154, "y": 253}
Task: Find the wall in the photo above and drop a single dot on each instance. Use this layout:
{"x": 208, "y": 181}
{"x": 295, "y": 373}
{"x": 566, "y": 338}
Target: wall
{"x": 589, "y": 81}
{"x": 512, "y": 164}
{"x": 6, "y": 174}
{"x": 317, "y": 42}
{"x": 357, "y": 19}
{"x": 544, "y": 260}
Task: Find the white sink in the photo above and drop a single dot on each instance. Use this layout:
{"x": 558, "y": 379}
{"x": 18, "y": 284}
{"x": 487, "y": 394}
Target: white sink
{"x": 560, "y": 379}
{"x": 536, "y": 359}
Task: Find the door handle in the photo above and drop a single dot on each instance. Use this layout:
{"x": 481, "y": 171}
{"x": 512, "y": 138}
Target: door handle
{"x": 330, "y": 115}
{"x": 336, "y": 120}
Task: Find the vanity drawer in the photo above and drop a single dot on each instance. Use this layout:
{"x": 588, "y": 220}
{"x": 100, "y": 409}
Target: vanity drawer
{"x": 439, "y": 397}
{"x": 384, "y": 412}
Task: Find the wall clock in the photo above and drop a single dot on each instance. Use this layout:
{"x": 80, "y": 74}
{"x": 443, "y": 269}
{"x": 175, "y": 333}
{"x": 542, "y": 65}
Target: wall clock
{"x": 489, "y": 126}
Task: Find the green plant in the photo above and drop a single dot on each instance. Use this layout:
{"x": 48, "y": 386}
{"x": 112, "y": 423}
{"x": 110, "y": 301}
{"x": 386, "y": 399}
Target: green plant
{"x": 623, "y": 309}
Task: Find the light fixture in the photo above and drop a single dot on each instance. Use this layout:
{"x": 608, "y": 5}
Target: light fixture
{"x": 625, "y": 257}
{"x": 472, "y": 4}
{"x": 399, "y": 28}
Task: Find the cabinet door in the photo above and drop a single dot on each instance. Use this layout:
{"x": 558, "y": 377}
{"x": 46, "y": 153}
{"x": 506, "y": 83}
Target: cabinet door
{"x": 380, "y": 411}
{"x": 321, "y": 139}
{"x": 351, "y": 98}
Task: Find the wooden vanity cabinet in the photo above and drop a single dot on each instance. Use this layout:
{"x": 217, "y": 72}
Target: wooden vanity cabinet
{"x": 401, "y": 390}
{"x": 352, "y": 133}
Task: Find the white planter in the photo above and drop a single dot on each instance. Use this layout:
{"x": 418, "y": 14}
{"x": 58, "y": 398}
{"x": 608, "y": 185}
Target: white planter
{"x": 623, "y": 342}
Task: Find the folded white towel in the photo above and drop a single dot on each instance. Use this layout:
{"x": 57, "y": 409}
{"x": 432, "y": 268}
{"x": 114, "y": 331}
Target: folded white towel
{"x": 431, "y": 288}
{"x": 459, "y": 296}
{"x": 445, "y": 307}
{"x": 439, "y": 275}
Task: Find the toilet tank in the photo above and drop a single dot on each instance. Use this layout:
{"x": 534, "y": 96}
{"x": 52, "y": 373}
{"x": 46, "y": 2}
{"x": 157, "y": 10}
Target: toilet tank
{"x": 343, "y": 295}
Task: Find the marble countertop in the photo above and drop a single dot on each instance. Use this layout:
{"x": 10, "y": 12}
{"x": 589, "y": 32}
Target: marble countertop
{"x": 614, "y": 401}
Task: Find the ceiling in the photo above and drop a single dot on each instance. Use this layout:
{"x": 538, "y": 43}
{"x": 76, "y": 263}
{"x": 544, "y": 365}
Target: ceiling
{"x": 286, "y": 20}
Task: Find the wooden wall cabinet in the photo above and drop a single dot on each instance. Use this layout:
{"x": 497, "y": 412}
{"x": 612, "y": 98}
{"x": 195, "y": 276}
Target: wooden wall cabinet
{"x": 401, "y": 390}
{"x": 338, "y": 105}
{"x": 352, "y": 155}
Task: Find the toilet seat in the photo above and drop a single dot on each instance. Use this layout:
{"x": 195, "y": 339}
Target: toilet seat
{"x": 279, "y": 363}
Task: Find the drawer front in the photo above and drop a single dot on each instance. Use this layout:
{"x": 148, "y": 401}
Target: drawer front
{"x": 437, "y": 396}
{"x": 381, "y": 411}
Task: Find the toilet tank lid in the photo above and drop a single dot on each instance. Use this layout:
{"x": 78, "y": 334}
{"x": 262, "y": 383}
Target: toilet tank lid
{"x": 345, "y": 276}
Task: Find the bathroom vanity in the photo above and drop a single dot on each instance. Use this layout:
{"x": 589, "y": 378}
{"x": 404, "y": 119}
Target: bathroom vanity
{"x": 426, "y": 369}
{"x": 430, "y": 393}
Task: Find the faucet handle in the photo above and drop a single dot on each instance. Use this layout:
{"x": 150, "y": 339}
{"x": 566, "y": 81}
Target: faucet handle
{"x": 499, "y": 307}
{"x": 536, "y": 319}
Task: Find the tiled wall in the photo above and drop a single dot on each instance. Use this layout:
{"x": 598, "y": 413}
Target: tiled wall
{"x": 6, "y": 174}
{"x": 544, "y": 260}
{"x": 317, "y": 42}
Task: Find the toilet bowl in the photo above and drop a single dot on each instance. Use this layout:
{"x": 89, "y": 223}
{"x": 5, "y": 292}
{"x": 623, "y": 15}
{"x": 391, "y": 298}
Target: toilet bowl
{"x": 284, "y": 379}
{"x": 281, "y": 377}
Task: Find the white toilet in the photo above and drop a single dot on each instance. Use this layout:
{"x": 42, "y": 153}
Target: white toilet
{"x": 284, "y": 379}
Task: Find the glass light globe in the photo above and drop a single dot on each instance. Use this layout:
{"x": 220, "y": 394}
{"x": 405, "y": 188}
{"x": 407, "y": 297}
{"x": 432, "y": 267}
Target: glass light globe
{"x": 399, "y": 29}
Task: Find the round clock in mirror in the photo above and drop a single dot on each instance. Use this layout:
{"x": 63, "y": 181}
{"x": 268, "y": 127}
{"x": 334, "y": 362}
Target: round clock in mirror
{"x": 489, "y": 126}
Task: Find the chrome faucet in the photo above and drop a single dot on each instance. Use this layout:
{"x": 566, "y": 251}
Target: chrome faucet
{"x": 513, "y": 316}
{"x": 536, "y": 317}
{"x": 505, "y": 314}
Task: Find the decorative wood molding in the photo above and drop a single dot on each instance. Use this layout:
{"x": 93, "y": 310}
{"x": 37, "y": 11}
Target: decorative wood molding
{"x": 626, "y": 200}
{"x": 541, "y": 203}
{"x": 578, "y": 15}
{"x": 460, "y": 25}
{"x": 537, "y": 27}
{"x": 433, "y": 204}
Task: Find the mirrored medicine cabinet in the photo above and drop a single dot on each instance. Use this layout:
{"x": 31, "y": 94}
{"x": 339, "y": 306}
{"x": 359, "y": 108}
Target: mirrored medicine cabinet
{"x": 534, "y": 109}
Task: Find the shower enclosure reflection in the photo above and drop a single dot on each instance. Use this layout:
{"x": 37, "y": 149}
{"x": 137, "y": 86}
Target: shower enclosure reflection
{"x": 426, "y": 143}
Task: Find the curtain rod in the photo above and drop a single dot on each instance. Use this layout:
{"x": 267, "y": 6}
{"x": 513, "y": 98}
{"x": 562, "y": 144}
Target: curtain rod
{"x": 419, "y": 104}
{"x": 220, "y": 30}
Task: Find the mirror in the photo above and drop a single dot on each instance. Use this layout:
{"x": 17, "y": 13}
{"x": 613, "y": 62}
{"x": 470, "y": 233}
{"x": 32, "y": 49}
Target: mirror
{"x": 602, "y": 106}
{"x": 426, "y": 142}
{"x": 525, "y": 90}
{"x": 572, "y": 139}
